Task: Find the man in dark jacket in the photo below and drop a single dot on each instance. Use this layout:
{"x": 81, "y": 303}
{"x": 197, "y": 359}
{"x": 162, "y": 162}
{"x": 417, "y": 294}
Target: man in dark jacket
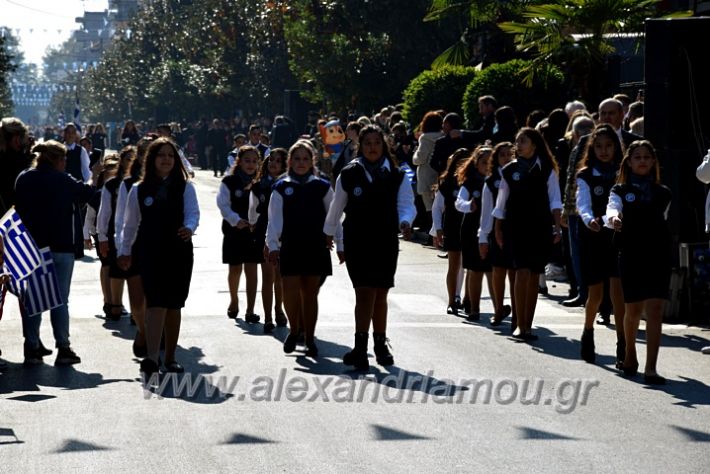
{"x": 452, "y": 140}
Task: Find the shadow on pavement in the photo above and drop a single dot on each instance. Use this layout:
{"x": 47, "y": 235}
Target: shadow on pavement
{"x": 18, "y": 378}
{"x": 195, "y": 385}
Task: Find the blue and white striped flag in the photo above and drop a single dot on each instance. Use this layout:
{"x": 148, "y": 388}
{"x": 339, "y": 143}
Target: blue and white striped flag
{"x": 22, "y": 257}
{"x": 39, "y": 292}
{"x": 409, "y": 172}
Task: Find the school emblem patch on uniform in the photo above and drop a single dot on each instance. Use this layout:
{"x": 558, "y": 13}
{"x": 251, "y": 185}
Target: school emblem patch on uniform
{"x": 357, "y": 191}
{"x": 630, "y": 197}
{"x": 476, "y": 194}
{"x": 516, "y": 176}
{"x": 496, "y": 183}
{"x": 599, "y": 190}
{"x": 288, "y": 191}
{"x": 148, "y": 201}
{"x": 239, "y": 193}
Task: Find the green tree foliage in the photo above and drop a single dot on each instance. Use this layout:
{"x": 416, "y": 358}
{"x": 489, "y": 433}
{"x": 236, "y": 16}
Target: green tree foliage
{"x": 441, "y": 88}
{"x": 577, "y": 36}
{"x": 507, "y": 82}
{"x": 479, "y": 39}
{"x": 356, "y": 54}
{"x": 184, "y": 59}
{"x": 7, "y": 66}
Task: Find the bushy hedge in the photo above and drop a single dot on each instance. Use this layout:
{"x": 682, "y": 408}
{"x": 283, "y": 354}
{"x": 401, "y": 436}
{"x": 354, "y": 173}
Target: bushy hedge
{"x": 441, "y": 88}
{"x": 506, "y": 82}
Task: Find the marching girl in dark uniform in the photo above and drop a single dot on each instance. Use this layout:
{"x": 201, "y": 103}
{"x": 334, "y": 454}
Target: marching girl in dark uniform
{"x": 106, "y": 228}
{"x": 271, "y": 169}
{"x": 599, "y": 259}
{"x": 297, "y": 244}
{"x": 161, "y": 216}
{"x": 637, "y": 211}
{"x": 528, "y": 211}
{"x": 488, "y": 248}
{"x": 471, "y": 177}
{"x": 239, "y": 245}
{"x": 136, "y": 296}
{"x": 110, "y": 168}
{"x": 378, "y": 203}
{"x": 446, "y": 228}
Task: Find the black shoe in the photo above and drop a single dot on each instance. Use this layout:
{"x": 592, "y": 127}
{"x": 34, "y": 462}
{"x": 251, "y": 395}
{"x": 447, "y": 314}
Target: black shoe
{"x": 300, "y": 338}
{"x": 111, "y": 314}
{"x": 232, "y": 314}
{"x": 383, "y": 356}
{"x": 466, "y": 306}
{"x": 290, "y": 344}
{"x": 506, "y": 312}
{"x": 174, "y": 368}
{"x": 269, "y": 327}
{"x": 311, "y": 349}
{"x": 124, "y": 311}
{"x": 630, "y": 370}
{"x": 587, "y": 350}
{"x": 148, "y": 368}
{"x": 358, "y": 356}
{"x": 529, "y": 337}
{"x": 542, "y": 290}
{"x": 576, "y": 302}
{"x": 452, "y": 309}
{"x": 473, "y": 317}
{"x": 604, "y": 319}
{"x": 252, "y": 318}
{"x": 620, "y": 353}
{"x": 43, "y": 351}
{"x": 66, "y": 356}
{"x": 281, "y": 320}
{"x": 140, "y": 351}
{"x": 33, "y": 357}
{"x": 654, "y": 379}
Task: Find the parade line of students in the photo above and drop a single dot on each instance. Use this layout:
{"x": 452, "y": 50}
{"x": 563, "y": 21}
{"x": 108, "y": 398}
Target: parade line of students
{"x": 497, "y": 211}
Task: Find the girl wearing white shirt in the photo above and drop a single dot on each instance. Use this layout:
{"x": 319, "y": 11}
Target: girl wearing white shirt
{"x": 471, "y": 177}
{"x": 105, "y": 224}
{"x": 501, "y": 260}
{"x": 446, "y": 226}
{"x": 297, "y": 244}
{"x": 161, "y": 216}
{"x": 598, "y": 257}
{"x": 240, "y": 249}
{"x": 637, "y": 211}
{"x": 271, "y": 286}
{"x": 528, "y": 211}
{"x": 378, "y": 203}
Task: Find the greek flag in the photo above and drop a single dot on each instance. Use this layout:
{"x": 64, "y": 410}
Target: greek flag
{"x": 409, "y": 172}
{"x": 22, "y": 257}
{"x": 39, "y": 292}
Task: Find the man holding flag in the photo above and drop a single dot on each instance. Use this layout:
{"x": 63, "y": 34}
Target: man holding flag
{"x": 45, "y": 200}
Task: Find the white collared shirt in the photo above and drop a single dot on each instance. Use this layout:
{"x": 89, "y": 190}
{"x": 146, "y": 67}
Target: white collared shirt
{"x": 132, "y": 216}
{"x": 276, "y": 218}
{"x": 584, "y": 200}
{"x": 224, "y": 203}
{"x": 406, "y": 210}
